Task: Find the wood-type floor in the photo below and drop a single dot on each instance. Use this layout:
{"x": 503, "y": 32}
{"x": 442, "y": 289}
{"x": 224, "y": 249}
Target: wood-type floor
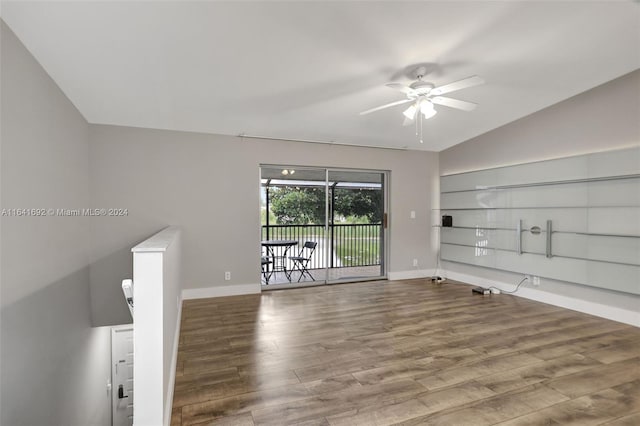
{"x": 401, "y": 352}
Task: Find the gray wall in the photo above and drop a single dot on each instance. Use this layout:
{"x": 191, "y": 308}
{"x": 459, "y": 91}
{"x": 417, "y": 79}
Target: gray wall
{"x": 55, "y": 366}
{"x": 209, "y": 185}
{"x": 604, "y": 118}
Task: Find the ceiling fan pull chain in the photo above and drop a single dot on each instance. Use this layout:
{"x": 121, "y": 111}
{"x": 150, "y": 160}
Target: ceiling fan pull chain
{"x": 421, "y": 120}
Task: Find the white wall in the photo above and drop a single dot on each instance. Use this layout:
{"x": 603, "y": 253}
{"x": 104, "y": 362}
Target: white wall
{"x": 55, "y": 366}
{"x": 209, "y": 185}
{"x": 604, "y": 118}
{"x": 601, "y": 119}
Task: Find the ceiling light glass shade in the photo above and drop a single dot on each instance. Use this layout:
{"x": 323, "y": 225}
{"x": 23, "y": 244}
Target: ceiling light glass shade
{"x": 427, "y": 109}
{"x": 410, "y": 112}
{"x": 285, "y": 172}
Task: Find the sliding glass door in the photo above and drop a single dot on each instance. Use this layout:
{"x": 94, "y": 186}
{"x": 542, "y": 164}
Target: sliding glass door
{"x": 321, "y": 225}
{"x": 294, "y": 225}
{"x": 356, "y": 232}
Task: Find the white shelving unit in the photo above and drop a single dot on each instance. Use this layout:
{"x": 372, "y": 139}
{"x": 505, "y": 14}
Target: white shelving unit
{"x": 584, "y": 212}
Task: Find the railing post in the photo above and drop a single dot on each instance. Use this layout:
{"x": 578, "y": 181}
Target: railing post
{"x": 333, "y": 203}
{"x": 267, "y": 210}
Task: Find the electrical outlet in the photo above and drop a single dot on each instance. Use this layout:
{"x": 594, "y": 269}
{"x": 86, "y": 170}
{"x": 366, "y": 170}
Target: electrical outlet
{"x": 415, "y": 262}
{"x": 227, "y": 276}
{"x": 536, "y": 280}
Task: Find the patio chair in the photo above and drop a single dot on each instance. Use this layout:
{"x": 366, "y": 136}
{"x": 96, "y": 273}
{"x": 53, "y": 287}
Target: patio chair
{"x": 266, "y": 273}
{"x": 301, "y": 261}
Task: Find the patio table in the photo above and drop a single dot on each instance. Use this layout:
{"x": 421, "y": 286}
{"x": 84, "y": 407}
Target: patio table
{"x": 279, "y": 262}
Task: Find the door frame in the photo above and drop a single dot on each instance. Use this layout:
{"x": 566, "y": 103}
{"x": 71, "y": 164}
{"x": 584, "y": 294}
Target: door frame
{"x": 385, "y": 231}
{"x": 114, "y": 386}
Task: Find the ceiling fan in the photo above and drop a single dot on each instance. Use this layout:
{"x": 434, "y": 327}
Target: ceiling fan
{"x": 423, "y": 95}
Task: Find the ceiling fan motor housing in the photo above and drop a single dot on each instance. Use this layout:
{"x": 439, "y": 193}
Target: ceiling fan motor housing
{"x": 421, "y": 87}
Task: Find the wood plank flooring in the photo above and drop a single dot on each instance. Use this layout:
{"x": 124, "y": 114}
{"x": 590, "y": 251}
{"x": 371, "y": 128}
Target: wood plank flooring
{"x": 401, "y": 352}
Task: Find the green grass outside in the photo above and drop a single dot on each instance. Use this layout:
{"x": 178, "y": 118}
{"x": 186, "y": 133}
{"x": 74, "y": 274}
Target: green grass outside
{"x": 354, "y": 245}
{"x": 366, "y": 252}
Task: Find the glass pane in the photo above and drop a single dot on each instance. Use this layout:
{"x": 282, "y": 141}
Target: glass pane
{"x": 579, "y": 218}
{"x": 293, "y": 215}
{"x": 355, "y": 236}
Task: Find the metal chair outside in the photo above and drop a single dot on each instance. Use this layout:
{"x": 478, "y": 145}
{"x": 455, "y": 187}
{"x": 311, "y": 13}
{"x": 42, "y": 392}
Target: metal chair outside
{"x": 301, "y": 261}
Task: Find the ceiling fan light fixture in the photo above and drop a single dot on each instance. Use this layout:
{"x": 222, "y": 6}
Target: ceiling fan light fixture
{"x": 410, "y": 112}
{"x": 427, "y": 110}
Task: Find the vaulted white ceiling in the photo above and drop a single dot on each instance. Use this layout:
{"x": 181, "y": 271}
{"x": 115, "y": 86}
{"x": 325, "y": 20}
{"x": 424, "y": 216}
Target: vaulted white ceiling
{"x": 303, "y": 70}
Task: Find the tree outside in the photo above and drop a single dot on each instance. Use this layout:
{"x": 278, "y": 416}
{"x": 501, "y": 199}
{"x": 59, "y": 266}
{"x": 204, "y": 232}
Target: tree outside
{"x": 306, "y": 205}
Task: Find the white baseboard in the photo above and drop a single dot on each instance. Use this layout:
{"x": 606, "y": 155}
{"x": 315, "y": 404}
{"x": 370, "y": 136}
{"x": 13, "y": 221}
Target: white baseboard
{"x": 168, "y": 403}
{"x": 604, "y": 311}
{"x": 220, "y": 291}
{"x": 407, "y": 275}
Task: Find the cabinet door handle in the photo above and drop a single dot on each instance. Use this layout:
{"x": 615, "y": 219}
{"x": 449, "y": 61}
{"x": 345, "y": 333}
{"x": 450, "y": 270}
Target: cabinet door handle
{"x": 121, "y": 394}
{"x": 549, "y": 232}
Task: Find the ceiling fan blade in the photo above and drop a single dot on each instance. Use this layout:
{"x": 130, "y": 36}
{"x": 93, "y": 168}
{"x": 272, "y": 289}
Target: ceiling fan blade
{"x": 401, "y": 87}
{"x": 454, "y": 103}
{"x": 404, "y": 101}
{"x": 457, "y": 85}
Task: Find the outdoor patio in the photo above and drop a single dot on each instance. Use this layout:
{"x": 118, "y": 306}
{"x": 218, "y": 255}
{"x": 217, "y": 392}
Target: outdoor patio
{"x": 362, "y": 261}
{"x": 344, "y": 273}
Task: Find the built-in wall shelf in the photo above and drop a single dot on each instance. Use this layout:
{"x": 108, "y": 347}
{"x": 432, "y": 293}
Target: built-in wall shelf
{"x": 544, "y": 254}
{"x": 534, "y": 207}
{"x": 574, "y": 219}
{"x": 542, "y": 231}
{"x": 546, "y": 183}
